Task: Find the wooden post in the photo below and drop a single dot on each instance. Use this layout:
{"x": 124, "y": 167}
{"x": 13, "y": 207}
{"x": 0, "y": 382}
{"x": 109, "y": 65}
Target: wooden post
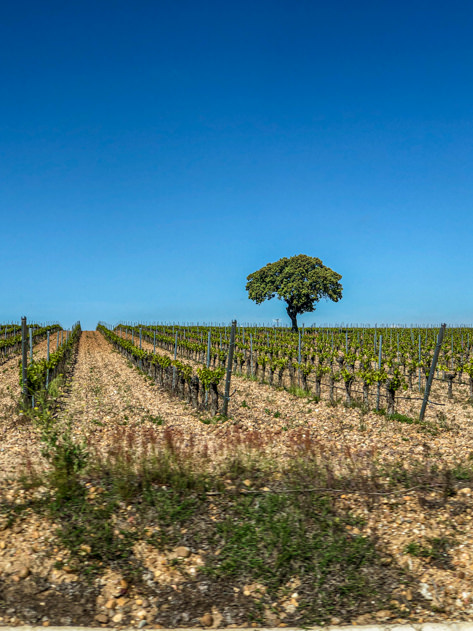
{"x": 379, "y": 368}
{"x": 299, "y": 359}
{"x": 47, "y": 359}
{"x": 251, "y": 354}
{"x": 141, "y": 361}
{"x": 208, "y": 350}
{"x": 174, "y": 369}
{"x": 24, "y": 360}
{"x": 420, "y": 359}
{"x": 431, "y": 371}
{"x": 231, "y": 348}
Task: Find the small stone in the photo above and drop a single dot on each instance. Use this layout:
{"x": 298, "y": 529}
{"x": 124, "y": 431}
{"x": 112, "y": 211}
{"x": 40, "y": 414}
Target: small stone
{"x": 425, "y": 591}
{"x": 23, "y": 572}
{"x": 117, "y": 618}
{"x": 141, "y": 615}
{"x": 207, "y": 620}
{"x": 383, "y": 614}
{"x": 110, "y": 604}
{"x": 182, "y": 552}
{"x": 102, "y": 618}
{"x": 121, "y": 602}
{"x": 335, "y": 621}
{"x": 141, "y": 624}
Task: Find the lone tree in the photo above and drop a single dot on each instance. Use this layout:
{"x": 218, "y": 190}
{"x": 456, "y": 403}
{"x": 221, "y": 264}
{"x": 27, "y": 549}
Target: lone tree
{"x": 301, "y": 281}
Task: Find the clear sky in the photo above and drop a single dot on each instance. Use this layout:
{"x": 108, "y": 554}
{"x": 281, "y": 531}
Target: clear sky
{"x": 154, "y": 153}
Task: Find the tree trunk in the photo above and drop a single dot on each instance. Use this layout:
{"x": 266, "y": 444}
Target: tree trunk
{"x": 305, "y": 385}
{"x": 450, "y": 377}
{"x": 332, "y": 389}
{"x": 390, "y": 396}
{"x": 292, "y": 374}
{"x": 194, "y": 388}
{"x": 366, "y": 393}
{"x": 280, "y": 377}
{"x": 213, "y": 394}
{"x": 293, "y": 315}
{"x": 348, "y": 385}
{"x": 248, "y": 366}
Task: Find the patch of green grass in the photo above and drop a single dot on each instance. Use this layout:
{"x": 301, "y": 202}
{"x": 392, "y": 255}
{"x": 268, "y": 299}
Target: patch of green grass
{"x": 437, "y": 548}
{"x": 402, "y": 418}
{"x": 462, "y": 472}
{"x": 333, "y": 403}
{"x": 276, "y": 537}
{"x": 56, "y": 385}
{"x": 425, "y": 426}
{"x": 157, "y": 420}
{"x": 358, "y": 405}
{"x": 298, "y": 392}
{"x": 85, "y": 523}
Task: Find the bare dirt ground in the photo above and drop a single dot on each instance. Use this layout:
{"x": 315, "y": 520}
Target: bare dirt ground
{"x": 16, "y": 436}
{"x": 446, "y": 439}
{"x": 109, "y": 399}
{"x": 427, "y": 534}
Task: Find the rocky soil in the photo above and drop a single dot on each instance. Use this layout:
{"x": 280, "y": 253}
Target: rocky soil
{"x": 423, "y": 536}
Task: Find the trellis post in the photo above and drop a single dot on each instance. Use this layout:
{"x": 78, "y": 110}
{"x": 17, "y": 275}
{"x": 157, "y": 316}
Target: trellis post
{"x": 432, "y": 371}
{"x": 231, "y": 349}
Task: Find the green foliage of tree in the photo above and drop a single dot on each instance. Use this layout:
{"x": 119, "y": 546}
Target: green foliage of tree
{"x": 301, "y": 281}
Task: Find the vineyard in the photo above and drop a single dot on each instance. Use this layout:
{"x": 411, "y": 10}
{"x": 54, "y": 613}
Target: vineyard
{"x": 182, "y": 476}
{"x": 372, "y": 367}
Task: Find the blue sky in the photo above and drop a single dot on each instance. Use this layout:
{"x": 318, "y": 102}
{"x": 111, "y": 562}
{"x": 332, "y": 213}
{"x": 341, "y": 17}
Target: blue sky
{"x": 155, "y": 153}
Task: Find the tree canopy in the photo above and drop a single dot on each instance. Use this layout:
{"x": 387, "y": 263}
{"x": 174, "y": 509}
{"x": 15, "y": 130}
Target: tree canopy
{"x": 301, "y": 281}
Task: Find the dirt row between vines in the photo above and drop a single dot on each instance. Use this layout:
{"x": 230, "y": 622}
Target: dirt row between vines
{"x": 14, "y": 434}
